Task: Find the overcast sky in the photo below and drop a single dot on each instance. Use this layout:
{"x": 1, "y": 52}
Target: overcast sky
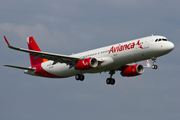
{"x": 72, "y": 26}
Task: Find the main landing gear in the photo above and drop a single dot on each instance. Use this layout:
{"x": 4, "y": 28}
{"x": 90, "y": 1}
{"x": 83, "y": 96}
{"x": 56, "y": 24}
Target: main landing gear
{"x": 79, "y": 77}
{"x": 154, "y": 66}
{"x": 111, "y": 81}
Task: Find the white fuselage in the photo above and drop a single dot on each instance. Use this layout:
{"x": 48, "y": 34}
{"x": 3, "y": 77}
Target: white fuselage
{"x": 114, "y": 56}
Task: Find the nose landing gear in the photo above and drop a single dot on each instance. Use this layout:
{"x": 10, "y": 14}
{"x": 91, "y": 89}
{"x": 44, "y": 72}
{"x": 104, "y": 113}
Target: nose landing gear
{"x": 154, "y": 66}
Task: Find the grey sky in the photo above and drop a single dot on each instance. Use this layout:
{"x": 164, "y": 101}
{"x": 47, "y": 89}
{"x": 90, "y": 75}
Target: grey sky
{"x": 71, "y": 26}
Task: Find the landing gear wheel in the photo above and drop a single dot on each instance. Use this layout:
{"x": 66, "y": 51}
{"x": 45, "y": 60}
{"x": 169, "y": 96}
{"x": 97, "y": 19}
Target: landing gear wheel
{"x": 154, "y": 66}
{"x": 82, "y": 77}
{"x": 110, "y": 81}
{"x": 79, "y": 77}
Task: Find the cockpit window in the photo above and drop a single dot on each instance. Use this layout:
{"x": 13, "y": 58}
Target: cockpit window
{"x": 164, "y": 39}
{"x": 157, "y": 40}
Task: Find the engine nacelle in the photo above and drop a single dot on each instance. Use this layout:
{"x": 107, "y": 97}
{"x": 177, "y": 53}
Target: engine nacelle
{"x": 87, "y": 64}
{"x": 132, "y": 70}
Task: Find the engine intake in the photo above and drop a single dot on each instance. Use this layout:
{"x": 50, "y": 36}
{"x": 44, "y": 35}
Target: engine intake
{"x": 86, "y": 64}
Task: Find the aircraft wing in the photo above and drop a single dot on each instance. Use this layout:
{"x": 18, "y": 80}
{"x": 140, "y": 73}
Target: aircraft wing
{"x": 50, "y": 56}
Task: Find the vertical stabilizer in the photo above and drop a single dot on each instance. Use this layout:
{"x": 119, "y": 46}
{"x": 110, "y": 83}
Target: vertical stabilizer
{"x": 32, "y": 45}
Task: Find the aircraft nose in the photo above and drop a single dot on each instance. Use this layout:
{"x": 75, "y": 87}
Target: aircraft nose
{"x": 170, "y": 46}
{"x": 165, "y": 47}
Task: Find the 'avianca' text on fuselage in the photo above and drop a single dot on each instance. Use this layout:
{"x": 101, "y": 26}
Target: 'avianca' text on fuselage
{"x": 119, "y": 57}
{"x": 120, "y": 47}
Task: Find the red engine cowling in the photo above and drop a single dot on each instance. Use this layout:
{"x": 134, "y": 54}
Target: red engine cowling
{"x": 132, "y": 70}
{"x": 87, "y": 64}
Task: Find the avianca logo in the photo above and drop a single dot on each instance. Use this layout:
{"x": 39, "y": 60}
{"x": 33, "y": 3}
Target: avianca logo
{"x": 120, "y": 47}
{"x": 138, "y": 43}
{"x": 85, "y": 63}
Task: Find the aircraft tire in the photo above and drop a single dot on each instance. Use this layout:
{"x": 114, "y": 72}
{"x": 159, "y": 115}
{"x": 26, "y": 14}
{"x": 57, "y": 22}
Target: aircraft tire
{"x": 154, "y": 67}
{"x": 110, "y": 81}
{"x": 77, "y": 77}
{"x": 82, "y": 77}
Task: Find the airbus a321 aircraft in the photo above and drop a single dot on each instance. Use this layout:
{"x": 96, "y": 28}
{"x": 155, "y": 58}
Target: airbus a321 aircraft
{"x": 117, "y": 57}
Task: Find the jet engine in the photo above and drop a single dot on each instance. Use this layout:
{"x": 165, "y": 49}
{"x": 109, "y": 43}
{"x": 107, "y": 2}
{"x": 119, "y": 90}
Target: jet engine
{"x": 86, "y": 64}
{"x": 132, "y": 70}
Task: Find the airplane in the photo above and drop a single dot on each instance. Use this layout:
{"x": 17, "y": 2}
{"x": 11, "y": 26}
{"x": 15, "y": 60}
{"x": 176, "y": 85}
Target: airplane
{"x": 121, "y": 57}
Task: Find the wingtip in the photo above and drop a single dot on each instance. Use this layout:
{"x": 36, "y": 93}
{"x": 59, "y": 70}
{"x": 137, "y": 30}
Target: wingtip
{"x": 6, "y": 40}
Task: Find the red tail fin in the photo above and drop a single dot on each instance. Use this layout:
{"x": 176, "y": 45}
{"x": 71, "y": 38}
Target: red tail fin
{"x": 32, "y": 45}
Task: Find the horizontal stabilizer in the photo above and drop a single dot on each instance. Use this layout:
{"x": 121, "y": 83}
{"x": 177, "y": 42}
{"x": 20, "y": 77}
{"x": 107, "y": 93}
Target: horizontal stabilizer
{"x": 18, "y": 67}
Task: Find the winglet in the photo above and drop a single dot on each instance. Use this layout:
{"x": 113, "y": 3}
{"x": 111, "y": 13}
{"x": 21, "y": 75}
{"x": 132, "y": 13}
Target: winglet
{"x": 6, "y": 41}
